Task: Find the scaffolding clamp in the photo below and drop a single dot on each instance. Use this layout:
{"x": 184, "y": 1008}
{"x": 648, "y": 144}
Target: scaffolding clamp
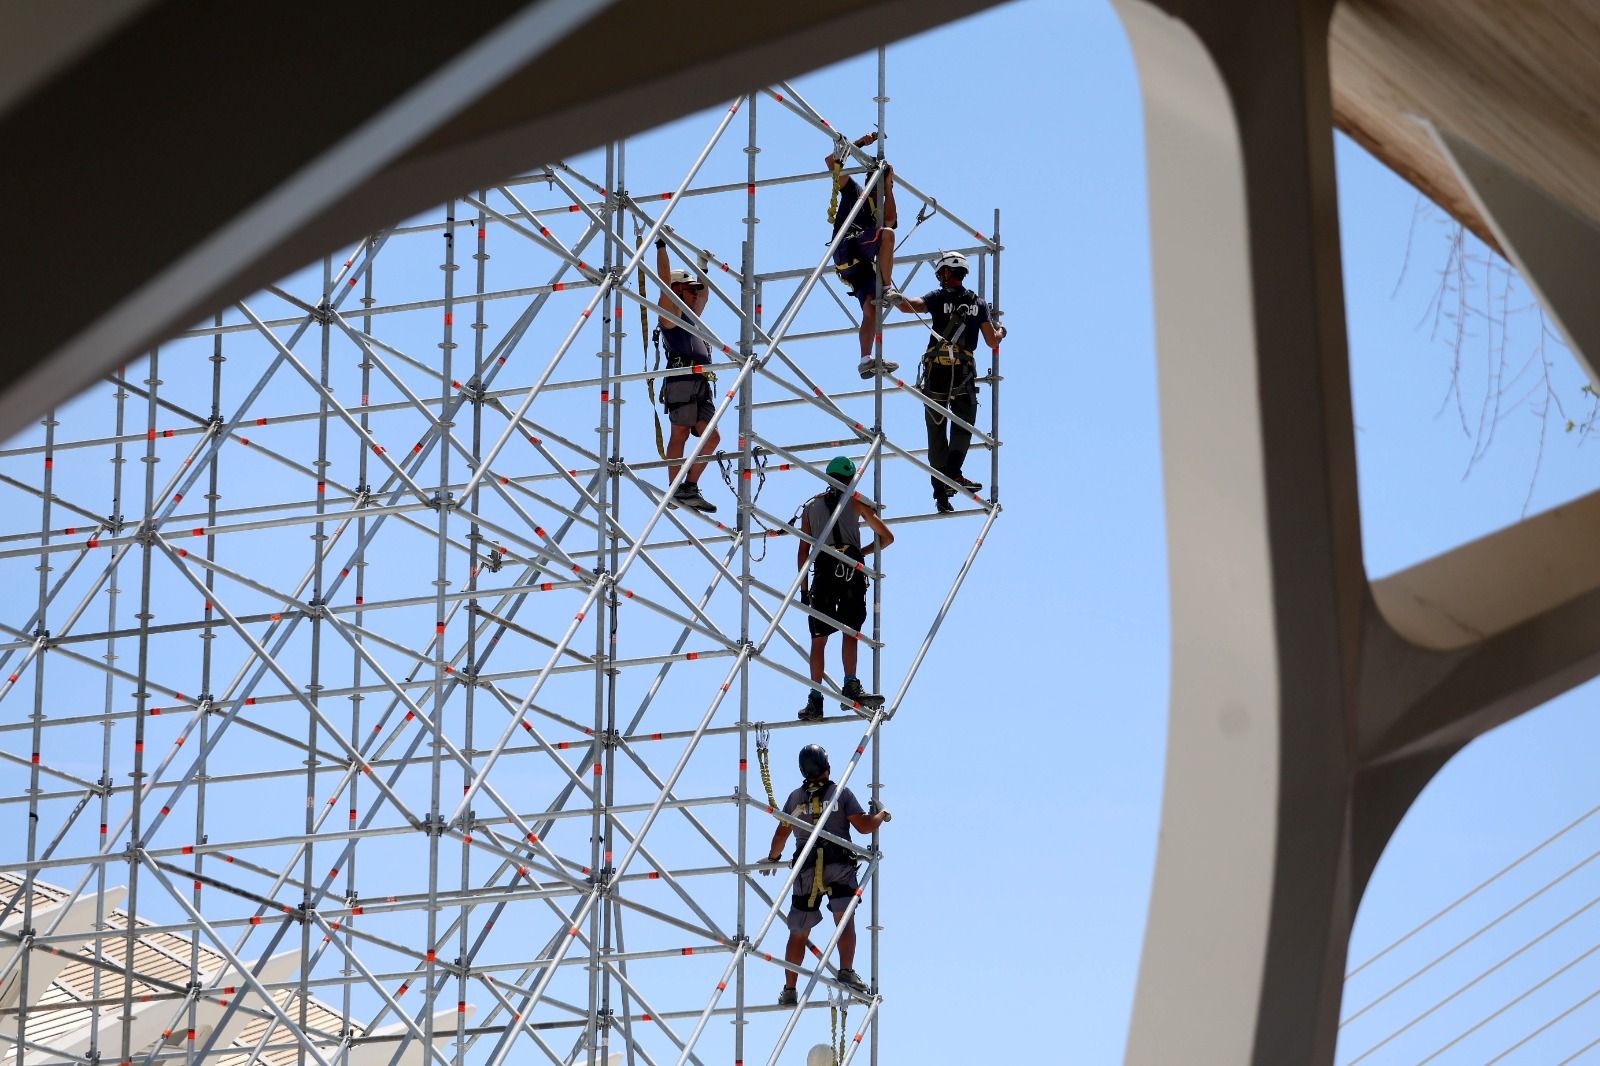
{"x": 610, "y": 739}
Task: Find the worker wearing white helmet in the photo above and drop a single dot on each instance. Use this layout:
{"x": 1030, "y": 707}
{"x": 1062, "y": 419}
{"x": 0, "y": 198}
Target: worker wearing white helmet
{"x": 949, "y": 374}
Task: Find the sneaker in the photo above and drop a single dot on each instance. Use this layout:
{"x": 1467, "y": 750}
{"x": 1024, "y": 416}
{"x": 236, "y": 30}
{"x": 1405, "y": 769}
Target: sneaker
{"x": 812, "y": 711}
{"x": 689, "y": 495}
{"x": 942, "y": 504}
{"x": 852, "y": 980}
{"x": 859, "y": 697}
{"x": 789, "y": 997}
{"x": 868, "y": 367}
{"x": 973, "y": 487}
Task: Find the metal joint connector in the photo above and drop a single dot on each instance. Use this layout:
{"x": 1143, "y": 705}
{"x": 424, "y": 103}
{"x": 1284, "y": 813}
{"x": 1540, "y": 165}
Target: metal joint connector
{"x": 322, "y": 314}
{"x": 616, "y": 465}
{"x": 609, "y": 739}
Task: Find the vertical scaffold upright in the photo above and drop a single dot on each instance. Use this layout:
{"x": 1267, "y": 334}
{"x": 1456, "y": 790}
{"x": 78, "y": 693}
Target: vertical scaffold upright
{"x": 468, "y": 778}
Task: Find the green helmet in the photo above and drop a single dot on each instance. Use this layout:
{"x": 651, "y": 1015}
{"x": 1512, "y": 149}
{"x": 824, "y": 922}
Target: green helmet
{"x": 840, "y": 466}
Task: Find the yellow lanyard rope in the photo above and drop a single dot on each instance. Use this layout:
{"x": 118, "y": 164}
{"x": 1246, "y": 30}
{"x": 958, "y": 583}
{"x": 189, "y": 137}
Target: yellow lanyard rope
{"x": 816, "y": 878}
{"x": 835, "y": 165}
{"x": 762, "y": 733}
{"x": 644, "y": 346}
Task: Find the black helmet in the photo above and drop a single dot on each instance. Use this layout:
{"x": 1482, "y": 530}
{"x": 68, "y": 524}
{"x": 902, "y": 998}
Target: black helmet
{"x": 814, "y": 760}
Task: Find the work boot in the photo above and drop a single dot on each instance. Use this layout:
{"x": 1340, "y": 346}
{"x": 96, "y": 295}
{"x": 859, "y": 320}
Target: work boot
{"x": 941, "y": 501}
{"x": 789, "y": 997}
{"x": 859, "y": 697}
{"x": 852, "y": 980}
{"x": 973, "y": 487}
{"x": 869, "y": 366}
{"x": 688, "y": 494}
{"x": 812, "y": 711}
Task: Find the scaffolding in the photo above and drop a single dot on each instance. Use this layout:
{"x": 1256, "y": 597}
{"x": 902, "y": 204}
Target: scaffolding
{"x": 467, "y": 778}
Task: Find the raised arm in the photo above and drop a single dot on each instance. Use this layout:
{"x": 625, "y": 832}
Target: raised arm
{"x": 664, "y": 276}
{"x": 891, "y": 216}
{"x": 832, "y": 159}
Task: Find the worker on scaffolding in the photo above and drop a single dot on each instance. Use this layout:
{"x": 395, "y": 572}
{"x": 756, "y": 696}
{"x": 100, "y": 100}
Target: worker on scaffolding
{"x": 832, "y": 871}
{"x": 949, "y": 374}
{"x": 837, "y": 590}
{"x": 866, "y": 252}
{"x": 686, "y": 397}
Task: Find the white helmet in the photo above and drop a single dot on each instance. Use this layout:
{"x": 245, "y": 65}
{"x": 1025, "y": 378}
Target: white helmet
{"x": 951, "y": 261}
{"x": 680, "y": 277}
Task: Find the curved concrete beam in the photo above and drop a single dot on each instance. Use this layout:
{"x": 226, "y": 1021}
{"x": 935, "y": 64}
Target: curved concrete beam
{"x": 1253, "y": 894}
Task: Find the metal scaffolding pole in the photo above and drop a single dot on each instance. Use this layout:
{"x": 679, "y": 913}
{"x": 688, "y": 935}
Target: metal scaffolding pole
{"x": 604, "y": 902}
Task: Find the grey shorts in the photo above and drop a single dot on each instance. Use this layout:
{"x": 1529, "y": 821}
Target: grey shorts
{"x": 838, "y": 884}
{"x": 687, "y": 400}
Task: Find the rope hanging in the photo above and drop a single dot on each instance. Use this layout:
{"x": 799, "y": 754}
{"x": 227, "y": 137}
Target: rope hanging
{"x": 838, "y": 1025}
{"x": 841, "y": 148}
{"x": 644, "y": 343}
{"x": 763, "y": 735}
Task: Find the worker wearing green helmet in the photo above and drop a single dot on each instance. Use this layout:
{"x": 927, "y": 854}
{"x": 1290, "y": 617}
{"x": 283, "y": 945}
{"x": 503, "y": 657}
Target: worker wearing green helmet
{"x": 835, "y": 587}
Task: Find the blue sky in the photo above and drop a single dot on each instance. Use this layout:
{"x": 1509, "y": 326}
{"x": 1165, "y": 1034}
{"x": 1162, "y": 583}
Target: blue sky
{"x": 1025, "y": 770}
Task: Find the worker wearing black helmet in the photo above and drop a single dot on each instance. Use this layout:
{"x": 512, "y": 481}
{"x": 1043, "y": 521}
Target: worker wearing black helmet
{"x": 831, "y": 872}
{"x": 834, "y": 588}
{"x": 949, "y": 374}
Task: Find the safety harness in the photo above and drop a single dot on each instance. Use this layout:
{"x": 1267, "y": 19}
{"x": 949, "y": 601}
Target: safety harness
{"x": 816, "y": 789}
{"x": 842, "y": 573}
{"x": 943, "y": 351}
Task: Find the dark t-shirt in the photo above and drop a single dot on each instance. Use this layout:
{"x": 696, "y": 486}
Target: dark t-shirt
{"x": 849, "y": 193}
{"x": 971, "y": 309}
{"x": 684, "y": 348}
{"x": 798, "y": 805}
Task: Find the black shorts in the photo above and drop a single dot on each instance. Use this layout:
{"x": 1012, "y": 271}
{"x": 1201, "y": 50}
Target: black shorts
{"x": 862, "y": 281}
{"x": 845, "y": 602}
{"x": 861, "y": 276}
